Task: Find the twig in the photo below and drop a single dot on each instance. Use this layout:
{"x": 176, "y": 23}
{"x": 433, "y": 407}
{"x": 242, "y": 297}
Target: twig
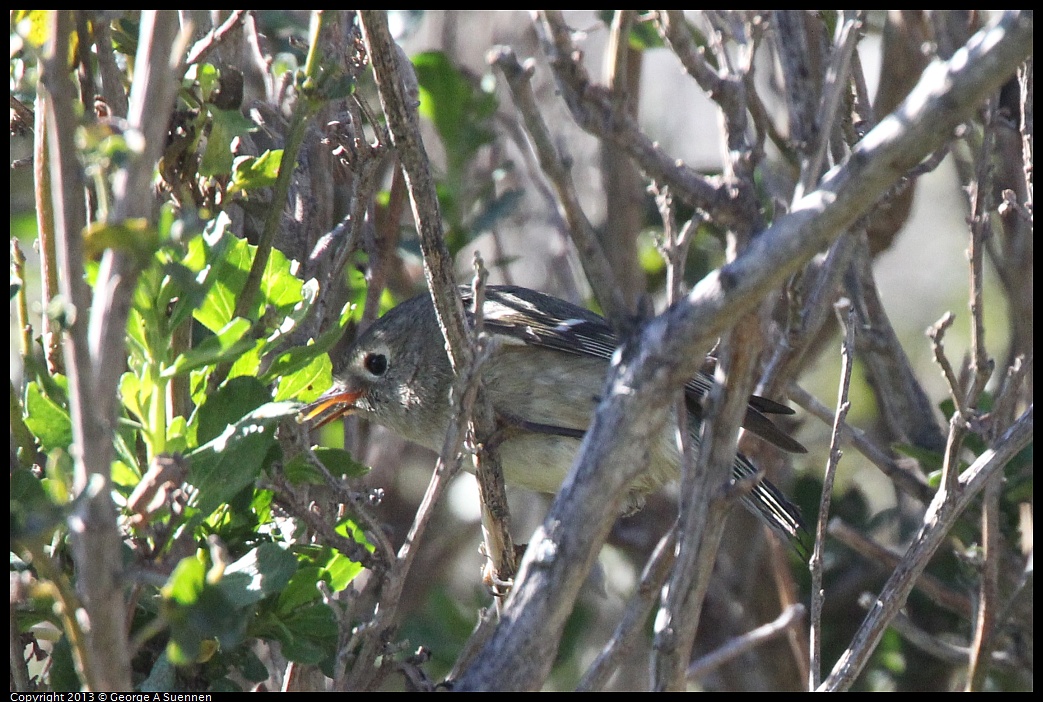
{"x": 591, "y": 107}
{"x": 959, "y": 419}
{"x": 907, "y": 480}
{"x": 903, "y": 402}
{"x": 816, "y": 564}
{"x": 25, "y": 329}
{"x": 982, "y": 207}
{"x": 726, "y": 87}
{"x": 800, "y": 59}
{"x": 1025, "y": 79}
{"x": 399, "y": 105}
{"x": 676, "y": 32}
{"x": 359, "y": 507}
{"x": 214, "y": 37}
{"x": 305, "y": 108}
{"x": 703, "y": 508}
{"x": 941, "y": 649}
{"x": 111, "y": 78}
{"x": 836, "y": 82}
{"x": 93, "y": 377}
{"x": 988, "y": 604}
{"x": 810, "y": 315}
{"x": 739, "y": 645}
{"x": 981, "y": 366}
{"x": 344, "y": 239}
{"x": 496, "y": 516}
{"x": 322, "y": 525}
{"x": 634, "y": 616}
{"x": 887, "y": 559}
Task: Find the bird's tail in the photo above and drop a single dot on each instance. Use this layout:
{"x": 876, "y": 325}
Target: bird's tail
{"x": 769, "y": 505}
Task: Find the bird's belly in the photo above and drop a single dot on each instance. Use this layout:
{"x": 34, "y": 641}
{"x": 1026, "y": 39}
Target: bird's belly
{"x": 538, "y": 462}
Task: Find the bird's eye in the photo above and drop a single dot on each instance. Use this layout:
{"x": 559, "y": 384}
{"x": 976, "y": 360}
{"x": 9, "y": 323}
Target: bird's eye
{"x": 375, "y": 363}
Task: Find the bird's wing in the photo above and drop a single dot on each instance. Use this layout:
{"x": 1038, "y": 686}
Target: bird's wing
{"x": 540, "y": 320}
{"x": 551, "y": 323}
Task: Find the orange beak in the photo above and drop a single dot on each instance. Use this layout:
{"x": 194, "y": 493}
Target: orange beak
{"x": 330, "y": 406}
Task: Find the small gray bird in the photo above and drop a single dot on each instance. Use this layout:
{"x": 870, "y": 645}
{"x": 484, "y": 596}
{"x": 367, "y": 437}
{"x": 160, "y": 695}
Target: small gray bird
{"x": 544, "y": 382}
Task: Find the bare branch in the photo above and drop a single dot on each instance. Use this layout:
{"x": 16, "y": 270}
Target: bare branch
{"x": 816, "y": 563}
{"x": 786, "y": 620}
{"x": 556, "y": 167}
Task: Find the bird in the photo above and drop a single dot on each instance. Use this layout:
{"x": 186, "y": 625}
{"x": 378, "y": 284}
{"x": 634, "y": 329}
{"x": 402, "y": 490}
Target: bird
{"x": 543, "y": 381}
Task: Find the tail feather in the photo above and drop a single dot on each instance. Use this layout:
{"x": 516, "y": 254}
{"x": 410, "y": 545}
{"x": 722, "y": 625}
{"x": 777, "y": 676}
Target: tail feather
{"x": 768, "y": 504}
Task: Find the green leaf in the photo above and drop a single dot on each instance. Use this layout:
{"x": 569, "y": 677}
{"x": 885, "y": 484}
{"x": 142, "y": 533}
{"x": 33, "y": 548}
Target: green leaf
{"x": 303, "y": 385}
{"x": 338, "y": 462}
{"x": 225, "y": 263}
{"x": 249, "y": 362}
{"x": 202, "y": 255}
{"x": 301, "y": 590}
{"x": 233, "y": 460}
{"x": 186, "y": 581}
{"x": 136, "y": 237}
{"x": 47, "y": 420}
{"x": 180, "y": 292}
{"x": 928, "y": 460}
{"x": 342, "y": 570}
{"x": 301, "y": 357}
{"x": 62, "y": 669}
{"x": 263, "y": 571}
{"x": 31, "y": 25}
{"x": 130, "y": 388}
{"x": 34, "y": 516}
{"x": 162, "y": 676}
{"x": 459, "y": 107}
{"x": 302, "y": 651}
{"x": 280, "y": 287}
{"x": 643, "y": 34}
{"x": 310, "y": 634}
{"x": 199, "y": 614}
{"x": 252, "y": 668}
{"x": 206, "y": 76}
{"x": 227, "y": 344}
{"x": 232, "y": 402}
{"x": 224, "y": 278}
{"x": 353, "y": 531}
{"x": 252, "y": 172}
{"x": 497, "y": 209}
{"x": 217, "y": 160}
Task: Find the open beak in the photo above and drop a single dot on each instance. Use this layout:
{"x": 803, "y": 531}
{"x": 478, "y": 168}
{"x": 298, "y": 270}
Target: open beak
{"x": 330, "y": 406}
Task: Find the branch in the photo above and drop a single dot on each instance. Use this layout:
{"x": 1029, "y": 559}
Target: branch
{"x": 816, "y": 564}
{"x": 557, "y": 169}
{"x": 389, "y": 67}
{"x": 634, "y": 616}
{"x": 789, "y": 618}
{"x": 906, "y": 479}
{"x": 93, "y": 376}
{"x": 592, "y": 108}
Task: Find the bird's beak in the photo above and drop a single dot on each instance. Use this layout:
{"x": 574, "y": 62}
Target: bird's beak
{"x": 335, "y": 403}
